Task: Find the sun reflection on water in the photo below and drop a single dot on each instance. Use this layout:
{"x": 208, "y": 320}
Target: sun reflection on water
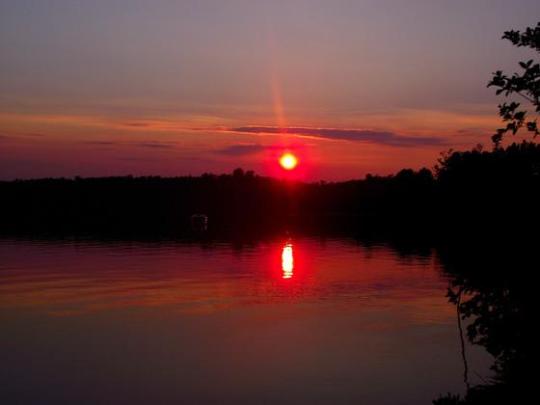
{"x": 287, "y": 261}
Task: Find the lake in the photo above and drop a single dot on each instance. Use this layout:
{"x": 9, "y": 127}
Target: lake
{"x": 285, "y": 320}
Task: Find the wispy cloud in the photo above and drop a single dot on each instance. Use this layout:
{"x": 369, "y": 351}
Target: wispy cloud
{"x": 137, "y": 124}
{"x": 148, "y": 144}
{"x": 241, "y": 149}
{"x": 155, "y": 145}
{"x": 101, "y": 143}
{"x": 20, "y": 135}
{"x": 31, "y": 134}
{"x": 359, "y": 135}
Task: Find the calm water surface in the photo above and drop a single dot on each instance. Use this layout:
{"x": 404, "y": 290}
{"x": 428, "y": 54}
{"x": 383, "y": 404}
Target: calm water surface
{"x": 286, "y": 321}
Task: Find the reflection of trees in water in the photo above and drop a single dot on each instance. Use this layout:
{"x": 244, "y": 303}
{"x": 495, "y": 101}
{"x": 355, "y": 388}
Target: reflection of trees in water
{"x": 456, "y": 298}
{"x": 493, "y": 293}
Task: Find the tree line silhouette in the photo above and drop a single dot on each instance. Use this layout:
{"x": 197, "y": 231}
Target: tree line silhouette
{"x": 474, "y": 192}
{"x": 494, "y": 295}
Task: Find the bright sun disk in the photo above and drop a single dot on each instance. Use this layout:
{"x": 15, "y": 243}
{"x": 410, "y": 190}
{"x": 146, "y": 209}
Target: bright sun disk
{"x": 288, "y": 161}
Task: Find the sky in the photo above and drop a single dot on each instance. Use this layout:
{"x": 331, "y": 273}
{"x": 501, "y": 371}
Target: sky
{"x": 164, "y": 87}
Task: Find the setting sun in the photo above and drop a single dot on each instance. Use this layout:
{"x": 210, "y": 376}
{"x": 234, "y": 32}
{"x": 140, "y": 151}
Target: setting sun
{"x": 288, "y": 161}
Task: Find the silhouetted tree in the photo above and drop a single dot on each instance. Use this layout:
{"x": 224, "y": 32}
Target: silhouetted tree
{"x": 525, "y": 84}
{"x": 238, "y": 173}
{"x": 491, "y": 292}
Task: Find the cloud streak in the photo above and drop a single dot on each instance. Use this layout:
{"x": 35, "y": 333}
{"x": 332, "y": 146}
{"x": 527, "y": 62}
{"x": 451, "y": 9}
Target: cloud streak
{"x": 148, "y": 144}
{"x": 19, "y": 135}
{"x": 155, "y": 145}
{"x": 241, "y": 149}
{"x": 356, "y": 135}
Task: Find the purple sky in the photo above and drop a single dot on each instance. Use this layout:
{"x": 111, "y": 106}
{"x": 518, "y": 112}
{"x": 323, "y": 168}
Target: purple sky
{"x": 183, "y": 87}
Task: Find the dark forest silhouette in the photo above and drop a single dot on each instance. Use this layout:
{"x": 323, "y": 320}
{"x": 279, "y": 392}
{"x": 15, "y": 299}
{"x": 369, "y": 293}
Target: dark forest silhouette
{"x": 490, "y": 284}
{"x": 475, "y": 192}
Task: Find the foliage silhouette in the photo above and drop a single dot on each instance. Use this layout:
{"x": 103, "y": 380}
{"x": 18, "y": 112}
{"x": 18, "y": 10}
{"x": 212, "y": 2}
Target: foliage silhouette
{"x": 473, "y": 192}
{"x": 525, "y": 84}
{"x": 499, "y": 308}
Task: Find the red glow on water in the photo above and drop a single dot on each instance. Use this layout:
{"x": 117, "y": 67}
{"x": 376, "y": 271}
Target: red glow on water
{"x": 287, "y": 261}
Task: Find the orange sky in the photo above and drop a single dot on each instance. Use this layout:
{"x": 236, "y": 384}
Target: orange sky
{"x": 89, "y": 145}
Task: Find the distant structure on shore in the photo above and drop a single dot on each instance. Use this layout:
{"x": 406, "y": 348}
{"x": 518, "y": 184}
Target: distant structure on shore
{"x": 199, "y": 222}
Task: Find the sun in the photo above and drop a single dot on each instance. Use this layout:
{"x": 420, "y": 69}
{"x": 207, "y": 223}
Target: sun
{"x": 288, "y": 161}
